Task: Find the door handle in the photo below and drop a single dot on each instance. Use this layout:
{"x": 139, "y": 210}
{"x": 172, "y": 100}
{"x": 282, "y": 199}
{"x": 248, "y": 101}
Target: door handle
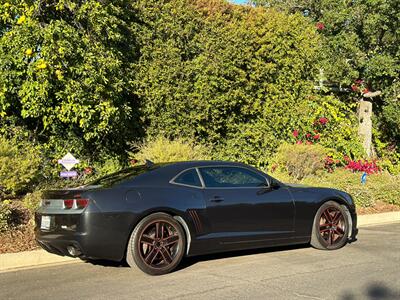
{"x": 217, "y": 199}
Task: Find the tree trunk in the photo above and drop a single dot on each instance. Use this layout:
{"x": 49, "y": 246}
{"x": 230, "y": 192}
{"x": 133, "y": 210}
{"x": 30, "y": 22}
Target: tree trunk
{"x": 365, "y": 126}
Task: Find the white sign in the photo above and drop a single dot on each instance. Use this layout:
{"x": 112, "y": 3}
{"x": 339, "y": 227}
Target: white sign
{"x": 68, "y": 161}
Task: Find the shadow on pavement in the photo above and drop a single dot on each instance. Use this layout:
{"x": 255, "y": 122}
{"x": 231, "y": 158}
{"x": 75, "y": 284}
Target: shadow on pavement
{"x": 375, "y": 291}
{"x": 189, "y": 261}
{"x": 106, "y": 263}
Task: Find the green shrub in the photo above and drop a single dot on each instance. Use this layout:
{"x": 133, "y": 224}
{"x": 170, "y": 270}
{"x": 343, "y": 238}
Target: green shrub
{"x": 5, "y": 214}
{"x": 300, "y": 161}
{"x": 19, "y": 166}
{"x": 31, "y": 201}
{"x": 161, "y": 149}
{"x": 379, "y": 187}
{"x": 107, "y": 166}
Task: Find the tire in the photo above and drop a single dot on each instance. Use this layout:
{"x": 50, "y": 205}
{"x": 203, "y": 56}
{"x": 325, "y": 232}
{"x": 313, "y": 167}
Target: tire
{"x": 331, "y": 227}
{"x": 157, "y": 244}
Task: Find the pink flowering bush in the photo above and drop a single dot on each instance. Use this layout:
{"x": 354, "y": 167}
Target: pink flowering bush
{"x": 362, "y": 166}
{"x": 320, "y": 26}
{"x": 311, "y": 138}
{"x": 359, "y": 86}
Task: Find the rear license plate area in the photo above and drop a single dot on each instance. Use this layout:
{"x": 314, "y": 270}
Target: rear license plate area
{"x": 45, "y": 223}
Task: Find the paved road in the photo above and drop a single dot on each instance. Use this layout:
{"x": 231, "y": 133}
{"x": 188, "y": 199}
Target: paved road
{"x": 367, "y": 269}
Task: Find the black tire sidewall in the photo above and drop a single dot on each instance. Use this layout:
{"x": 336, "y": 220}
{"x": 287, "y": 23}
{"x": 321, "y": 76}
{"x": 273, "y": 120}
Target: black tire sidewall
{"x": 316, "y": 232}
{"x": 133, "y": 245}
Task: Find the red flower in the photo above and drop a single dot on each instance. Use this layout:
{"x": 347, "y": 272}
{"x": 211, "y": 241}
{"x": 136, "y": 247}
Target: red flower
{"x": 295, "y": 133}
{"x": 133, "y": 161}
{"x": 362, "y": 166}
{"x": 308, "y": 135}
{"x": 323, "y": 120}
{"x": 365, "y": 91}
{"x": 299, "y": 142}
{"x": 320, "y": 26}
{"x": 88, "y": 170}
{"x": 309, "y": 143}
{"x": 359, "y": 81}
{"x": 316, "y": 137}
{"x": 354, "y": 88}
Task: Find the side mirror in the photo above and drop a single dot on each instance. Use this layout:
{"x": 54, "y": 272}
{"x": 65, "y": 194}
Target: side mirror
{"x": 271, "y": 184}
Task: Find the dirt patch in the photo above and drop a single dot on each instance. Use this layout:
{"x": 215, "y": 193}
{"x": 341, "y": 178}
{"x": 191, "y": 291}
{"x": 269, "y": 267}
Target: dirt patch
{"x": 21, "y": 235}
{"x": 379, "y": 207}
{"x": 21, "y": 238}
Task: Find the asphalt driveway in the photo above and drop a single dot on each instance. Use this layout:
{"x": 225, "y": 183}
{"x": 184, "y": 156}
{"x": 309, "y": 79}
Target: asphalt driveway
{"x": 366, "y": 269}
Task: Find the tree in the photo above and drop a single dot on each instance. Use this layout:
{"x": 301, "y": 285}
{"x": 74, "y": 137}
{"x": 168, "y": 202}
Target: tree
{"x": 360, "y": 50}
{"x": 238, "y": 78}
{"x": 64, "y": 74}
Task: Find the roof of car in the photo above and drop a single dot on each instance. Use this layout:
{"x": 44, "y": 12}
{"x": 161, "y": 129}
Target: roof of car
{"x": 197, "y": 163}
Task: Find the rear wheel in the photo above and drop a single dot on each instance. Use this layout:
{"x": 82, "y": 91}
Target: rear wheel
{"x": 331, "y": 227}
{"x": 156, "y": 245}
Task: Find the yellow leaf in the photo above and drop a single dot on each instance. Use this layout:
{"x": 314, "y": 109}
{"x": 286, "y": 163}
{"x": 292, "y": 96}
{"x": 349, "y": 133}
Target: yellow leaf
{"x": 21, "y": 20}
{"x": 59, "y": 74}
{"x": 28, "y": 52}
{"x": 42, "y": 65}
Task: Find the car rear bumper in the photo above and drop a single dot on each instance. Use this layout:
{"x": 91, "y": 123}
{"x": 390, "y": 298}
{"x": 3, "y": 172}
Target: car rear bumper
{"x": 96, "y": 236}
{"x": 65, "y": 247}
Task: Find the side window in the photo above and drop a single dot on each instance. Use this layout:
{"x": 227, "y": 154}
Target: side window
{"x": 189, "y": 177}
{"x": 230, "y": 177}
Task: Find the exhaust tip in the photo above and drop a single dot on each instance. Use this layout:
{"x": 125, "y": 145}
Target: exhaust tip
{"x": 73, "y": 251}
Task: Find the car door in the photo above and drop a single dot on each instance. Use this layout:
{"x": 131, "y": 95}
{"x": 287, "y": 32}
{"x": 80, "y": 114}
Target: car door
{"x": 240, "y": 204}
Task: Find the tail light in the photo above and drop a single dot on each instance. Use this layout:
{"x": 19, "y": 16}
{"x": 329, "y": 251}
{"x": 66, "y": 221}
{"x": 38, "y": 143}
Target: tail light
{"x": 68, "y": 203}
{"x": 80, "y": 203}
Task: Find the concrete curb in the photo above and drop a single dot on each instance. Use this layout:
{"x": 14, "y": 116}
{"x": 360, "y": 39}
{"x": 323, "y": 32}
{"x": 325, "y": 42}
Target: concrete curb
{"x": 376, "y": 219}
{"x": 37, "y": 258}
{"x": 29, "y": 259}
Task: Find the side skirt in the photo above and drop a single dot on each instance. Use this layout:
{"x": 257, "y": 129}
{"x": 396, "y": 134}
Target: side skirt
{"x": 211, "y": 246}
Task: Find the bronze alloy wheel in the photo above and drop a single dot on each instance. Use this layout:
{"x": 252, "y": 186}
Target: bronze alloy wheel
{"x": 158, "y": 244}
{"x": 332, "y": 226}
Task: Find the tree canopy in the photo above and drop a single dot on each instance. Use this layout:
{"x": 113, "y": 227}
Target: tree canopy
{"x": 64, "y": 73}
{"x": 360, "y": 40}
{"x": 91, "y": 76}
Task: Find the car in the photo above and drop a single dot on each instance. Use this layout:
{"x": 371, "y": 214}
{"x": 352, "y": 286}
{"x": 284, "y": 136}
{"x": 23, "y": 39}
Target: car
{"x": 155, "y": 214}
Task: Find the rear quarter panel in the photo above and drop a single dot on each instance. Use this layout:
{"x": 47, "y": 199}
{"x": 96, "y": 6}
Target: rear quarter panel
{"x": 118, "y": 210}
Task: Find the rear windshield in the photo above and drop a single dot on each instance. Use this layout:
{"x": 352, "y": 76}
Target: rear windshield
{"x": 125, "y": 174}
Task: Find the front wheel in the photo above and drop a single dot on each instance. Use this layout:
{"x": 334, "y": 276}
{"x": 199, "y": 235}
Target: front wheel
{"x": 331, "y": 227}
{"x": 157, "y": 244}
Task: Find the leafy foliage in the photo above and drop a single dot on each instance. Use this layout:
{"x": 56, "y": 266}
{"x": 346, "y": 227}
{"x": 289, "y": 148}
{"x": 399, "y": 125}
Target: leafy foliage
{"x": 19, "y": 166}
{"x": 63, "y": 73}
{"x": 161, "y": 149}
{"x": 379, "y": 187}
{"x": 300, "y": 161}
{"x": 236, "y": 77}
{"x": 360, "y": 50}
{"x": 32, "y": 201}
{"x": 88, "y": 76}
{"x": 5, "y": 213}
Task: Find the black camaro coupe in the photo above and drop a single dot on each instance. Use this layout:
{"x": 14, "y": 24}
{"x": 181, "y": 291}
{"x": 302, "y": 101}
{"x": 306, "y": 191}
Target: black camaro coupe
{"x": 155, "y": 214}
